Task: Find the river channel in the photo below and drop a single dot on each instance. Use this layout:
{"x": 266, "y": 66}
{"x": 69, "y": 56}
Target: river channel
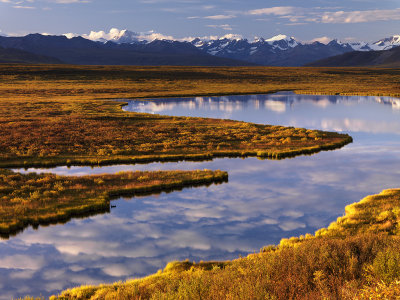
{"x": 264, "y": 200}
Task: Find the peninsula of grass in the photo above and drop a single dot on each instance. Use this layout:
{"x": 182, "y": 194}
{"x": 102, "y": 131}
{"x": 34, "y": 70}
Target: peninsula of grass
{"x": 356, "y": 257}
{"x": 40, "y": 199}
{"x": 138, "y": 138}
{"x": 49, "y": 116}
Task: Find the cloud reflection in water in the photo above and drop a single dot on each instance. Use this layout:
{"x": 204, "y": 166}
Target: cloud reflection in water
{"x": 263, "y": 201}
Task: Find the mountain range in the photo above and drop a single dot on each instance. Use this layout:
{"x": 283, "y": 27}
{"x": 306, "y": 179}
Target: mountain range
{"x": 124, "y": 47}
{"x": 79, "y": 50}
{"x": 280, "y": 50}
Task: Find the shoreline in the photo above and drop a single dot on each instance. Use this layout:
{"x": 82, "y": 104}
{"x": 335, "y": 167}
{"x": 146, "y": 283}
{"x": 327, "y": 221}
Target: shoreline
{"x": 101, "y": 203}
{"x": 261, "y": 154}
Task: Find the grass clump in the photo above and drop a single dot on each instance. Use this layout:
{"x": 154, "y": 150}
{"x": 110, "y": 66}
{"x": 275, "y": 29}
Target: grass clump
{"x": 39, "y": 199}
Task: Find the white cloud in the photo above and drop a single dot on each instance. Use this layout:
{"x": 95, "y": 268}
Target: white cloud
{"x": 359, "y": 16}
{"x": 70, "y": 35}
{"x": 220, "y": 17}
{"x": 23, "y": 7}
{"x": 23, "y": 262}
{"x": 70, "y": 1}
{"x": 151, "y": 36}
{"x": 116, "y": 34}
{"x": 208, "y": 7}
{"x": 299, "y": 15}
{"x": 232, "y": 36}
{"x": 222, "y": 26}
{"x": 323, "y": 39}
{"x": 277, "y": 11}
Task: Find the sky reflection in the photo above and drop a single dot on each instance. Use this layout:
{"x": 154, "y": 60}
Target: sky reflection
{"x": 264, "y": 201}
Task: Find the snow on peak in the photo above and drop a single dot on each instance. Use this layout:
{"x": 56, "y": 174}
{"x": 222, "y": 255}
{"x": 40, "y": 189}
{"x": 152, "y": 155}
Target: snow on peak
{"x": 386, "y": 43}
{"x": 282, "y": 41}
{"x": 230, "y": 36}
{"x": 278, "y": 37}
{"x": 125, "y": 36}
{"x": 70, "y": 35}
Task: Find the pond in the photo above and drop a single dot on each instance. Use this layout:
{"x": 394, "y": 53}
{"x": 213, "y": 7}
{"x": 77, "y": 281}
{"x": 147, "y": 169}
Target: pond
{"x": 264, "y": 200}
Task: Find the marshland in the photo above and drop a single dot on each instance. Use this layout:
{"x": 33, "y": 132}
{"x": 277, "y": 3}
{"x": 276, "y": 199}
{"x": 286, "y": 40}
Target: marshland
{"x": 66, "y": 117}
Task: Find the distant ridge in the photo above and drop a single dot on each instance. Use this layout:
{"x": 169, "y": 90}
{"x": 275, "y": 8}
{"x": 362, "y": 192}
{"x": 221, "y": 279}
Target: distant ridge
{"x": 16, "y": 56}
{"x": 79, "y": 50}
{"x": 385, "y": 58}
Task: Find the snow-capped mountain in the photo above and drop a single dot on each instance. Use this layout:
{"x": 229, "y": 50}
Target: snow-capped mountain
{"x": 280, "y": 50}
{"x": 125, "y": 36}
{"x": 79, "y": 50}
{"x": 281, "y": 41}
{"x": 383, "y": 44}
{"x": 387, "y": 43}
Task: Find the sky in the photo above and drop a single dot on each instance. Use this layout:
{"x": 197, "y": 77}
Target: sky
{"x": 347, "y": 20}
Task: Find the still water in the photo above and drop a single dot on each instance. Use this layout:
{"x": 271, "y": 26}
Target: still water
{"x": 264, "y": 201}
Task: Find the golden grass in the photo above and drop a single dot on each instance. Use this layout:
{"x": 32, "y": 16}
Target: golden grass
{"x": 39, "y": 199}
{"x": 83, "y": 83}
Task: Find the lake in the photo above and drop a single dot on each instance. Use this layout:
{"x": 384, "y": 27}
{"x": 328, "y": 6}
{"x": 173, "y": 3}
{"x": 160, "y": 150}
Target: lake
{"x": 264, "y": 200}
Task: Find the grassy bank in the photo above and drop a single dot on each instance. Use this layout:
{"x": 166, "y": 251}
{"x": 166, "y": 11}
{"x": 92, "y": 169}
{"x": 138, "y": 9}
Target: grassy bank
{"x": 44, "y": 134}
{"x": 356, "y": 257}
{"x": 40, "y": 199}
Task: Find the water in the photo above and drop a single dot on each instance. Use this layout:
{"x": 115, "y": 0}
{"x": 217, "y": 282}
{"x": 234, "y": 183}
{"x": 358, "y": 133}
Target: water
{"x": 264, "y": 201}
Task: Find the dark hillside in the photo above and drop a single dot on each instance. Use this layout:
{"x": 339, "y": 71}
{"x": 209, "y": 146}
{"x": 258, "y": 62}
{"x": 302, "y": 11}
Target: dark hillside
{"x": 386, "y": 58}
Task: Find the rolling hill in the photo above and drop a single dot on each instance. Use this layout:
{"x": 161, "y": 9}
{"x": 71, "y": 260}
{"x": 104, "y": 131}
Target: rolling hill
{"x": 385, "y": 58}
{"x": 13, "y": 56}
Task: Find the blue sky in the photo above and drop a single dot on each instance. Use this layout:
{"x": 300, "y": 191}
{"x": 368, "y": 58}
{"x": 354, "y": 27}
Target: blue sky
{"x": 367, "y": 20}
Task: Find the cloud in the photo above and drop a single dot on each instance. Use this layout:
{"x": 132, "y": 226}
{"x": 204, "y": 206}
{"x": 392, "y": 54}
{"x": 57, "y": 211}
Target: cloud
{"x": 208, "y": 7}
{"x": 359, "y": 16}
{"x": 300, "y": 15}
{"x": 116, "y": 34}
{"x": 70, "y": 1}
{"x": 277, "y": 11}
{"x": 23, "y": 262}
{"x": 222, "y": 26}
{"x": 220, "y": 17}
{"x": 23, "y": 7}
{"x": 323, "y": 40}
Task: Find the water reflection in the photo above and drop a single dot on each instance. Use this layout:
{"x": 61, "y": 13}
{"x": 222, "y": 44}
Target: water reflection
{"x": 263, "y": 201}
{"x": 339, "y": 113}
